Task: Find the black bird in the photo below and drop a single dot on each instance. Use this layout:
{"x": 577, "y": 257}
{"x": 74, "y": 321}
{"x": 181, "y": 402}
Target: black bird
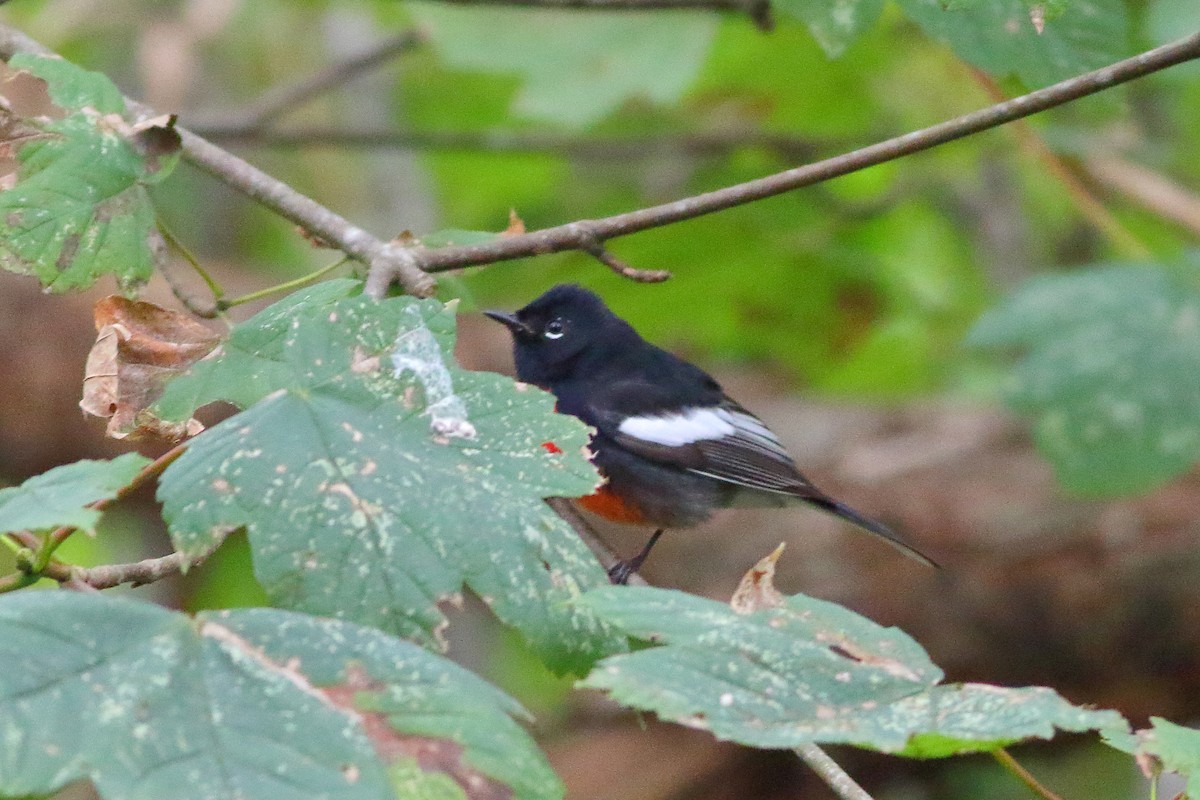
{"x": 671, "y": 444}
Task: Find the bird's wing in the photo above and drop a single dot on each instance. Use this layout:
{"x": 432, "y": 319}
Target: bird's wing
{"x": 717, "y": 438}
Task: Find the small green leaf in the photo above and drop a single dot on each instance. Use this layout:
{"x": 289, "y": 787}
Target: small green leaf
{"x": 59, "y": 497}
{"x": 375, "y": 477}
{"x": 835, "y": 24}
{"x": 79, "y": 209}
{"x": 578, "y": 68}
{"x": 250, "y": 364}
{"x": 1000, "y": 37}
{"x": 1109, "y": 373}
{"x": 148, "y": 703}
{"x": 809, "y": 672}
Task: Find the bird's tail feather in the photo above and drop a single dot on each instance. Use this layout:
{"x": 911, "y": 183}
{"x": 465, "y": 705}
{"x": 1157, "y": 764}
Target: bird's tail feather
{"x": 871, "y": 526}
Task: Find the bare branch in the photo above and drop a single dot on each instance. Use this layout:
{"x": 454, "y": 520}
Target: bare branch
{"x": 281, "y": 100}
{"x": 138, "y": 573}
{"x": 598, "y": 147}
{"x": 595, "y": 248}
{"x": 571, "y": 236}
{"x": 832, "y": 773}
{"x": 1089, "y": 206}
{"x": 387, "y": 261}
{"x": 759, "y": 11}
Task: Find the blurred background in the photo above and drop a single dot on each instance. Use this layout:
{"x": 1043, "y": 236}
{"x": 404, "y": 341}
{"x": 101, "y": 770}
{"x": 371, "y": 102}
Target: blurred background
{"x": 837, "y": 313}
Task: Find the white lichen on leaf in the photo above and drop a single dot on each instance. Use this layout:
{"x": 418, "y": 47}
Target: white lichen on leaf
{"x": 417, "y": 351}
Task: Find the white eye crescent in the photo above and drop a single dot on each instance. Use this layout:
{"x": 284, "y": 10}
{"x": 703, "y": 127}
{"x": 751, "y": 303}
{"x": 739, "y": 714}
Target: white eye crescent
{"x": 554, "y": 329}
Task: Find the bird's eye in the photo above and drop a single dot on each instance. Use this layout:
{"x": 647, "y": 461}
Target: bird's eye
{"x": 554, "y": 328}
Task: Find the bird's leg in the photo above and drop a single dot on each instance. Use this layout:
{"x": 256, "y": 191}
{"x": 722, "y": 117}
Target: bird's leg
{"x": 619, "y": 573}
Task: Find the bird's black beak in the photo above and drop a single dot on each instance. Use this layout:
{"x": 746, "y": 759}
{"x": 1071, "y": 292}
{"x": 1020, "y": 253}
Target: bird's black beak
{"x": 511, "y": 322}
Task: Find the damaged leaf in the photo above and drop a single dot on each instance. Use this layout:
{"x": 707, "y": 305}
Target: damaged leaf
{"x": 1165, "y": 746}
{"x": 61, "y": 496}
{"x": 376, "y": 478}
{"x": 79, "y": 207}
{"x": 806, "y": 671}
{"x": 121, "y": 692}
{"x": 139, "y": 347}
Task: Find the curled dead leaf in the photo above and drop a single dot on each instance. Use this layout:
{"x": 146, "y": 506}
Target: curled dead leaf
{"x": 756, "y": 590}
{"x": 155, "y": 139}
{"x": 139, "y": 347}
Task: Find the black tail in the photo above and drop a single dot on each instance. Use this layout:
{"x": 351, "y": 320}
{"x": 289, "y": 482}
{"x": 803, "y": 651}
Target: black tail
{"x": 871, "y": 526}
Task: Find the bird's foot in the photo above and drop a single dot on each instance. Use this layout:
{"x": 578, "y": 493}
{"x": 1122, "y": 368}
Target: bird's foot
{"x": 620, "y": 573}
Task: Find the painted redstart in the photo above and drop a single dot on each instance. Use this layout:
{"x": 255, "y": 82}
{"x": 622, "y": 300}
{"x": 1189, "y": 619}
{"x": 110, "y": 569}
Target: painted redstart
{"x": 671, "y": 444}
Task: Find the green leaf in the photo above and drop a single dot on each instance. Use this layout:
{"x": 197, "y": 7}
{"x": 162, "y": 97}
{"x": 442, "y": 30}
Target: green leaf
{"x": 60, "y": 496}
{"x": 1177, "y": 747}
{"x": 79, "y": 209}
{"x": 250, "y": 364}
{"x": 1111, "y": 356}
{"x": 835, "y": 24}
{"x": 364, "y": 492}
{"x": 999, "y": 37}
{"x": 148, "y": 703}
{"x": 809, "y": 671}
{"x": 578, "y": 68}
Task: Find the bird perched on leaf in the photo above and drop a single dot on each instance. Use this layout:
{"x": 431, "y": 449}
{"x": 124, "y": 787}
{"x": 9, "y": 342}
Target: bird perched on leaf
{"x": 672, "y": 446}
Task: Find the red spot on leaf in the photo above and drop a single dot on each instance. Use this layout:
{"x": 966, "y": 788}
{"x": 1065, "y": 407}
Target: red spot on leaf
{"x": 552, "y": 448}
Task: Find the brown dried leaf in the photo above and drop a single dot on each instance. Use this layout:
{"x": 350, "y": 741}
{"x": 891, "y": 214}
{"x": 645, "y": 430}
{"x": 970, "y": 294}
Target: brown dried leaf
{"x": 756, "y": 590}
{"x": 139, "y": 346}
{"x": 1037, "y": 15}
{"x": 431, "y": 755}
{"x": 516, "y": 225}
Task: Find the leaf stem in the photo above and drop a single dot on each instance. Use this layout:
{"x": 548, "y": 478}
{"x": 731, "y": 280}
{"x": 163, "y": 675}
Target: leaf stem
{"x": 1023, "y": 775}
{"x": 832, "y": 773}
{"x": 282, "y": 287}
{"x": 16, "y": 580}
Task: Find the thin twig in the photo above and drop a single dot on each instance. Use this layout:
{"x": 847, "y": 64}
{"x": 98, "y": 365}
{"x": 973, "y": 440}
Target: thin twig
{"x": 1147, "y": 188}
{"x": 181, "y": 293}
{"x": 138, "y": 573}
{"x": 570, "y": 236}
{"x": 591, "y": 146}
{"x": 595, "y": 248}
{"x": 604, "y": 554}
{"x": 286, "y": 286}
{"x": 1023, "y": 775}
{"x": 281, "y": 100}
{"x": 147, "y": 473}
{"x": 388, "y": 261}
{"x": 831, "y": 772}
{"x": 1089, "y": 206}
{"x": 759, "y": 11}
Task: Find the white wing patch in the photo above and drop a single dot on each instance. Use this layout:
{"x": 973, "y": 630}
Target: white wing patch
{"x": 686, "y": 427}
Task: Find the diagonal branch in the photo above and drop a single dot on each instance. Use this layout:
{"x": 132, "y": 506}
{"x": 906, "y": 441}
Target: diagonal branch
{"x": 280, "y": 100}
{"x": 592, "y": 146}
{"x": 390, "y": 259}
{"x": 574, "y": 236}
{"x": 759, "y": 11}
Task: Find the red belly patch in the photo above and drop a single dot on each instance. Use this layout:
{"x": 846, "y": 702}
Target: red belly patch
{"x": 605, "y": 503}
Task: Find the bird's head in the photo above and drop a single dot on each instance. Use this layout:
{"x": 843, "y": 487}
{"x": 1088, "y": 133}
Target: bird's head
{"x": 551, "y": 334}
